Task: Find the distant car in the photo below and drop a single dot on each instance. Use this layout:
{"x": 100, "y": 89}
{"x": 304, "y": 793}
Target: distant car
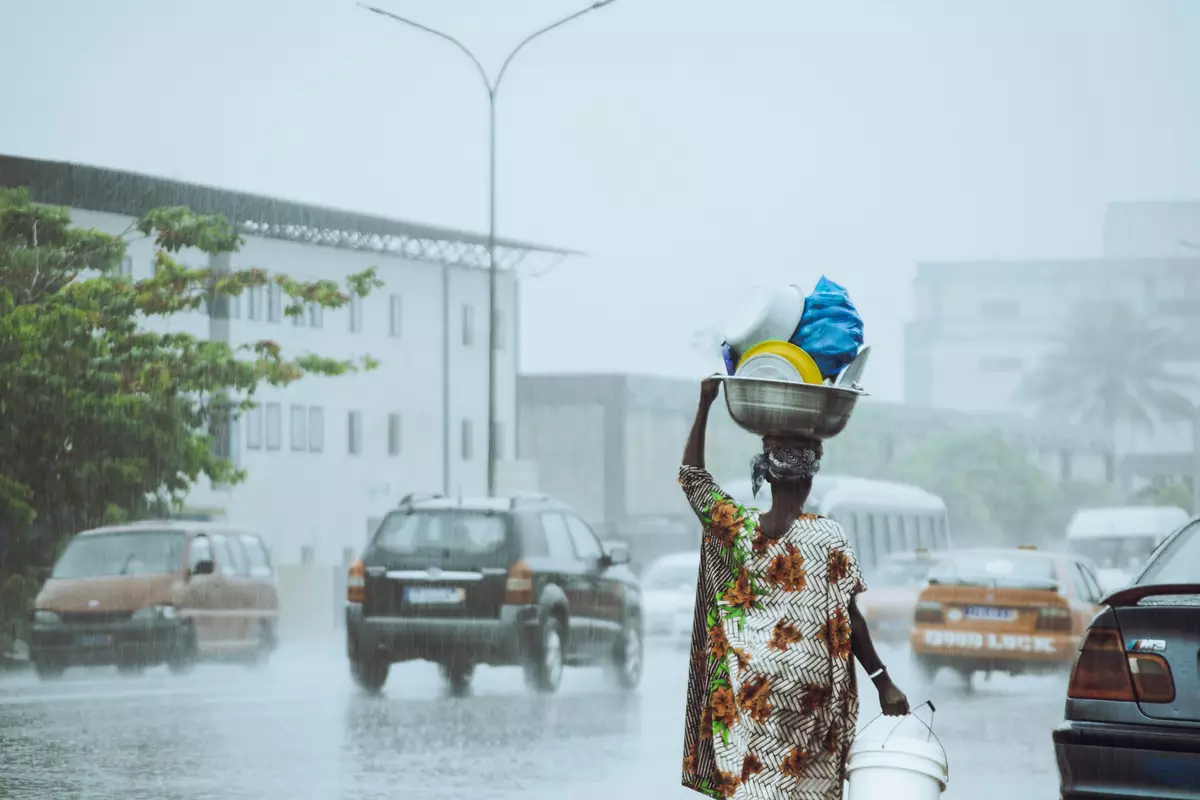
{"x": 891, "y": 596}
{"x": 502, "y": 581}
{"x": 156, "y": 592}
{"x": 1013, "y": 611}
{"x": 669, "y": 595}
{"x": 1132, "y": 722}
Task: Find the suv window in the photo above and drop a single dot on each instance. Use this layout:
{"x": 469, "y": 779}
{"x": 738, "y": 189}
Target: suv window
{"x": 459, "y": 532}
{"x": 240, "y": 562}
{"x": 587, "y": 546}
{"x": 224, "y": 559}
{"x": 201, "y": 551}
{"x": 558, "y": 537}
{"x": 256, "y": 554}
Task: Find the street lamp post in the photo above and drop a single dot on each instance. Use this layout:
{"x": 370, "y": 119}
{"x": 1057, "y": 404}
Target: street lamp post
{"x": 493, "y": 88}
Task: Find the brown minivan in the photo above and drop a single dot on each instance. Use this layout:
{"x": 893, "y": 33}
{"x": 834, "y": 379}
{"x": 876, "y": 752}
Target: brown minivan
{"x": 156, "y": 592}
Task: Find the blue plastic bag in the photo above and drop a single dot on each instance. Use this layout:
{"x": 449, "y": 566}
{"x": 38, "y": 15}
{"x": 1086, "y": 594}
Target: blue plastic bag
{"x": 830, "y": 330}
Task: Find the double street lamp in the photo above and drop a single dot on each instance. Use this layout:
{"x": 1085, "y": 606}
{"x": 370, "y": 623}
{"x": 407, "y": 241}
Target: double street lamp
{"x": 493, "y": 88}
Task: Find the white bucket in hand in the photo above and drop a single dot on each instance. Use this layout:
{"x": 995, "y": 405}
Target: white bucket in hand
{"x": 896, "y": 768}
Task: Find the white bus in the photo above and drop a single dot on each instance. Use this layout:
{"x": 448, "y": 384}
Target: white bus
{"x": 1119, "y": 540}
{"x": 880, "y": 517}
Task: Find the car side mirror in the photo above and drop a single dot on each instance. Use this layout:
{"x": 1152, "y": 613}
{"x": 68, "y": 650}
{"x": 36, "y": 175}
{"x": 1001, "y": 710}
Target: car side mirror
{"x": 617, "y": 553}
{"x": 205, "y": 567}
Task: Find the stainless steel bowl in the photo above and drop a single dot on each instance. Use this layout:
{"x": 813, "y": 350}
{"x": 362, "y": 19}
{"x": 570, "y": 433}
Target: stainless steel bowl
{"x": 767, "y": 407}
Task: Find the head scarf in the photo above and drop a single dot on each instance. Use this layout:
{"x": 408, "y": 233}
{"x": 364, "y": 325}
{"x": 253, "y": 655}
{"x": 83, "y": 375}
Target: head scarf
{"x": 785, "y": 460}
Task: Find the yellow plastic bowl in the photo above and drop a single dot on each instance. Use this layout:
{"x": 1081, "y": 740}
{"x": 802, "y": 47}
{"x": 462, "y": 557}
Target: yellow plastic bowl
{"x": 799, "y": 359}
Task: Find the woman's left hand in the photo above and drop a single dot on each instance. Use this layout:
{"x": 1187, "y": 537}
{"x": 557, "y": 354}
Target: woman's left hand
{"x": 891, "y": 700}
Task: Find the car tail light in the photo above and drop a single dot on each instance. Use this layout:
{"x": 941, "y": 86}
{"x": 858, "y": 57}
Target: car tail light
{"x": 356, "y": 583}
{"x": 519, "y": 589}
{"x": 1152, "y": 681}
{"x": 1104, "y": 671}
{"x": 929, "y": 612}
{"x": 1055, "y": 619}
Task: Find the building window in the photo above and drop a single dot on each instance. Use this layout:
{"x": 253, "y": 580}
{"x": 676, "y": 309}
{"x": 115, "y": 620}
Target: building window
{"x": 316, "y": 429}
{"x": 354, "y": 433}
{"x": 299, "y": 320}
{"x": 468, "y": 325}
{"x": 316, "y": 315}
{"x": 218, "y": 428}
{"x": 468, "y": 449}
{"x": 126, "y": 268}
{"x": 274, "y": 426}
{"x": 299, "y": 428}
{"x": 394, "y": 315}
{"x": 393, "y": 434}
{"x": 356, "y": 310}
{"x": 234, "y": 302}
{"x": 1000, "y": 309}
{"x": 253, "y": 302}
{"x": 1000, "y": 364}
{"x": 274, "y": 302}
{"x": 499, "y": 331}
{"x": 254, "y": 428}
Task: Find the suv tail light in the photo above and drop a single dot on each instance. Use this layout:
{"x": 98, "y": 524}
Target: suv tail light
{"x": 356, "y": 583}
{"x": 929, "y": 612}
{"x": 519, "y": 588}
{"x": 1055, "y": 619}
{"x": 1105, "y": 671}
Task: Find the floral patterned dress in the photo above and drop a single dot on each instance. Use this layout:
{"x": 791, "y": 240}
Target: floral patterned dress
{"x": 772, "y": 701}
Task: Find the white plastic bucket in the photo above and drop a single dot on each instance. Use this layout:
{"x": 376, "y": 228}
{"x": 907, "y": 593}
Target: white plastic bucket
{"x": 896, "y": 768}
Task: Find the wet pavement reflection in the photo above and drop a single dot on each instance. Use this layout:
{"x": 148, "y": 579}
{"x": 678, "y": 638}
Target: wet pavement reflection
{"x": 299, "y": 729}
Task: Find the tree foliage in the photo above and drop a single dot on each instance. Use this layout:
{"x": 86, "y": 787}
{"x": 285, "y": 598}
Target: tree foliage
{"x": 102, "y": 417}
{"x": 1110, "y": 368}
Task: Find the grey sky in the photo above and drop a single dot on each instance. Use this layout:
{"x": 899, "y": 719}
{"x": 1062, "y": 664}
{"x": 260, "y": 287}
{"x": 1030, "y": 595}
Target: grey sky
{"x": 687, "y": 146}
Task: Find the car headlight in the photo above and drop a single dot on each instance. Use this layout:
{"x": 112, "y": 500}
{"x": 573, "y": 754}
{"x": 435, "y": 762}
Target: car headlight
{"x": 44, "y": 617}
{"x": 155, "y": 612}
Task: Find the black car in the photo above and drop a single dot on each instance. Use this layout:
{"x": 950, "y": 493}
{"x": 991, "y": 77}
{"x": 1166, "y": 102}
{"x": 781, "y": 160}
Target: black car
{"x": 502, "y": 581}
{"x": 1132, "y": 726}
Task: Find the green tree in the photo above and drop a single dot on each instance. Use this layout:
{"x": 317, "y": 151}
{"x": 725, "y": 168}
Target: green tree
{"x": 102, "y": 418}
{"x": 1110, "y": 369}
{"x": 994, "y": 494}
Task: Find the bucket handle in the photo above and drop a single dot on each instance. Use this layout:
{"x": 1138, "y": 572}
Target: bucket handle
{"x": 928, "y": 727}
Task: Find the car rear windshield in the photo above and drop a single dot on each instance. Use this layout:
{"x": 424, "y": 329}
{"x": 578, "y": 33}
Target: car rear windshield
{"x": 898, "y": 574}
{"x": 442, "y": 532}
{"x": 123, "y": 553}
{"x": 1177, "y": 562}
{"x": 1015, "y": 569}
{"x": 677, "y": 575}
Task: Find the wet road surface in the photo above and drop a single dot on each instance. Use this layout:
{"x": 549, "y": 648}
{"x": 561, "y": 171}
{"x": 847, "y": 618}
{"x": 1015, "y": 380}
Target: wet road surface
{"x": 299, "y": 729}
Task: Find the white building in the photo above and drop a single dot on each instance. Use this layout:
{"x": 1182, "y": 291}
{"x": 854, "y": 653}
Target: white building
{"x": 326, "y": 455}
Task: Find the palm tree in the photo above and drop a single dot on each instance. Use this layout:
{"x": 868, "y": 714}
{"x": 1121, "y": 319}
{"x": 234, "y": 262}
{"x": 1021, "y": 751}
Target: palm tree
{"x": 1110, "y": 369}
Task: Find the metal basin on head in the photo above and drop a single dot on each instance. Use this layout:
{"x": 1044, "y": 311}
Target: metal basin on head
{"x": 782, "y": 408}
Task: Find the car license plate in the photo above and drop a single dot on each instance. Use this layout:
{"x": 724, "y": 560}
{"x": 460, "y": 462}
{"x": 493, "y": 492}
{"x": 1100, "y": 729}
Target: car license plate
{"x": 433, "y": 596}
{"x": 94, "y": 640}
{"x": 990, "y": 613}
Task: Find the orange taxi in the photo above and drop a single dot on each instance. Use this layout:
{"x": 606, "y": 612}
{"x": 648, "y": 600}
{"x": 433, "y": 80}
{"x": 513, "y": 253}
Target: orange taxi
{"x": 893, "y": 588}
{"x": 1016, "y": 611}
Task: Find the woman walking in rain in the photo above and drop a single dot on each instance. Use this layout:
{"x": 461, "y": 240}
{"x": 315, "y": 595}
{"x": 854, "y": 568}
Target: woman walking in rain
{"x": 772, "y": 701}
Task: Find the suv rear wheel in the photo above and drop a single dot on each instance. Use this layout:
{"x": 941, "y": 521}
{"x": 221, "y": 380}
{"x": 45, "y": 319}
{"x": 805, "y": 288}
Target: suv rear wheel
{"x": 370, "y": 674}
{"x": 457, "y": 676}
{"x": 628, "y": 655}
{"x": 544, "y": 670}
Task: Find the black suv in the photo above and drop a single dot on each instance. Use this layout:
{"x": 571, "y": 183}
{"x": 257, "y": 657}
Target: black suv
{"x": 503, "y": 581}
